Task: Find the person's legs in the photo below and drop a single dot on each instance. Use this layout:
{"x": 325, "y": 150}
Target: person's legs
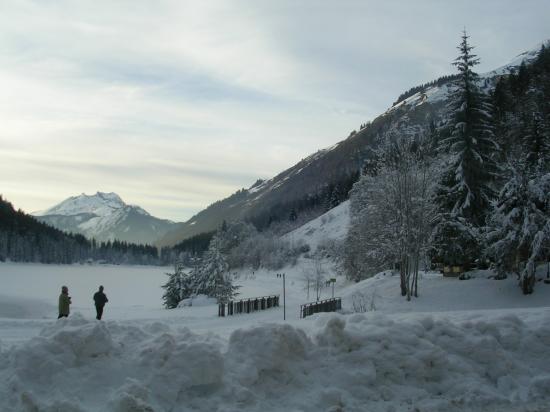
{"x": 99, "y": 311}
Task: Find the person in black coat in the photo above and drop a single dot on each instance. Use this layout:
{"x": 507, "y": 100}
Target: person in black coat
{"x": 100, "y": 300}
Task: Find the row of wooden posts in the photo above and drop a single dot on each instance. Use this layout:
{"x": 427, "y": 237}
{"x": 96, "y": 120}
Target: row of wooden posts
{"x": 248, "y": 305}
{"x": 266, "y": 302}
{"x": 327, "y": 305}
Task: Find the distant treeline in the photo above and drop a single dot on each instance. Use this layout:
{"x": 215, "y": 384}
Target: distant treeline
{"x": 188, "y": 250}
{"x": 25, "y": 239}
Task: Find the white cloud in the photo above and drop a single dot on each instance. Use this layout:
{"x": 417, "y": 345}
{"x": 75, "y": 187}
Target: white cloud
{"x": 175, "y": 104}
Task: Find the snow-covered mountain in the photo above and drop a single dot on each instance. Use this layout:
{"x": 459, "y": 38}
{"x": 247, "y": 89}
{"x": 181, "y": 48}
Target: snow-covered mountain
{"x": 300, "y": 184}
{"x": 438, "y": 93}
{"x": 105, "y": 216}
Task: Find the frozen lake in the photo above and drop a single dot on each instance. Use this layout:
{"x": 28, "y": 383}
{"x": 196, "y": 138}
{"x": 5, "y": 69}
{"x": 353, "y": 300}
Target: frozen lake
{"x": 29, "y": 296}
{"x": 32, "y": 290}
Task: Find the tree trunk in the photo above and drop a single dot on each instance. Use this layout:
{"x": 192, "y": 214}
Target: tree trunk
{"x": 402, "y": 278}
{"x": 408, "y": 277}
{"x": 417, "y": 260}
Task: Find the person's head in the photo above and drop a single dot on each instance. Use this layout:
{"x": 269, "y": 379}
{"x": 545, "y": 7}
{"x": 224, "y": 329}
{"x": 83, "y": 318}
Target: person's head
{"x": 101, "y": 288}
{"x": 64, "y": 289}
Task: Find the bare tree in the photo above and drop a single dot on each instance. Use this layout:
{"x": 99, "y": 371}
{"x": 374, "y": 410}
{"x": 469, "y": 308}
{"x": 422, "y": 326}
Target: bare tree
{"x": 314, "y": 276}
{"x": 390, "y": 210}
{"x": 362, "y": 303}
{"x": 307, "y": 279}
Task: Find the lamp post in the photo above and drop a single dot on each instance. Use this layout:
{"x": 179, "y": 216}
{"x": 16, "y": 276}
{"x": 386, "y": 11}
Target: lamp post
{"x": 333, "y": 281}
{"x": 282, "y": 275}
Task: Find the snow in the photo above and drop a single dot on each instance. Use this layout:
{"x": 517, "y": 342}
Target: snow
{"x": 257, "y": 186}
{"x": 476, "y": 345}
{"x": 140, "y": 210}
{"x": 332, "y": 225}
{"x": 266, "y": 186}
{"x": 96, "y": 214}
{"x": 434, "y": 94}
{"x": 100, "y": 204}
{"x": 527, "y": 57}
{"x": 198, "y": 300}
{"x": 443, "y": 294}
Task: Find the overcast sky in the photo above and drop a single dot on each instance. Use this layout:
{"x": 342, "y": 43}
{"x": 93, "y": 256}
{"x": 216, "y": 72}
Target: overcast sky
{"x": 176, "y": 104}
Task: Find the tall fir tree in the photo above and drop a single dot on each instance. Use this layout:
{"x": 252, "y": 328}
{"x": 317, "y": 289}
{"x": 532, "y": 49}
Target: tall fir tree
{"x": 465, "y": 189}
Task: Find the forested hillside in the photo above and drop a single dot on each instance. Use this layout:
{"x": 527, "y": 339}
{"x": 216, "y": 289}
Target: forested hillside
{"x": 323, "y": 180}
{"x": 25, "y": 239}
{"x": 472, "y": 192}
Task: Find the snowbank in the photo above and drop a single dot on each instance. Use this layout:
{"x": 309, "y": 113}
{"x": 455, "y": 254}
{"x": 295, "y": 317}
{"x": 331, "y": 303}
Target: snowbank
{"x": 199, "y": 300}
{"x": 440, "y": 294}
{"x": 354, "y": 363}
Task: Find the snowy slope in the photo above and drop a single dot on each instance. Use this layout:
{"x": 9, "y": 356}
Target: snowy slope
{"x": 105, "y": 216}
{"x": 526, "y": 57}
{"x": 333, "y": 225}
{"x": 436, "y": 94}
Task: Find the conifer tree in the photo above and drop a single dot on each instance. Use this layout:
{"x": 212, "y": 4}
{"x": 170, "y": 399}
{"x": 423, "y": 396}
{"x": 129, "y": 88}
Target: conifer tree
{"x": 520, "y": 226}
{"x": 179, "y": 286}
{"x": 465, "y": 190}
{"x": 212, "y": 276}
{"x": 536, "y": 141}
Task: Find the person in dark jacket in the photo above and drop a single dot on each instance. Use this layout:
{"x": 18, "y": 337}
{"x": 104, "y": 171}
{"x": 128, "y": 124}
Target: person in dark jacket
{"x": 100, "y": 300}
{"x": 64, "y": 302}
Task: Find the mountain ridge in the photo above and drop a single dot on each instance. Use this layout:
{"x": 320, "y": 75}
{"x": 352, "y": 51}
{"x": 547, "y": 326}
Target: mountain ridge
{"x": 270, "y": 200}
{"x": 105, "y": 216}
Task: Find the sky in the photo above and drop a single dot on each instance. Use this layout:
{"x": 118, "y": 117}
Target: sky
{"x": 176, "y": 104}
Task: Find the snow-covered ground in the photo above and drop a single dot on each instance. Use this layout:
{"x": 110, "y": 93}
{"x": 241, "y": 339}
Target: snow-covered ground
{"x": 332, "y": 225}
{"x": 476, "y": 345}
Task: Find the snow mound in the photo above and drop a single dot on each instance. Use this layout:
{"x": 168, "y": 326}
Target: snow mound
{"x": 199, "y": 300}
{"x": 357, "y": 362}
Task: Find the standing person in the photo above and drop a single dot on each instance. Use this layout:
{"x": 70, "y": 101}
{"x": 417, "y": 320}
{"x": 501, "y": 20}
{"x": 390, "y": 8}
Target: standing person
{"x": 100, "y": 300}
{"x": 64, "y": 302}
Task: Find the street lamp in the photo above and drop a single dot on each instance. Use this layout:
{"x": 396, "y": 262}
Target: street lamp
{"x": 333, "y": 281}
{"x": 282, "y": 275}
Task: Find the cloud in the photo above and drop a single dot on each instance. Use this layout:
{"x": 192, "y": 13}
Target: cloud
{"x": 175, "y": 105}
